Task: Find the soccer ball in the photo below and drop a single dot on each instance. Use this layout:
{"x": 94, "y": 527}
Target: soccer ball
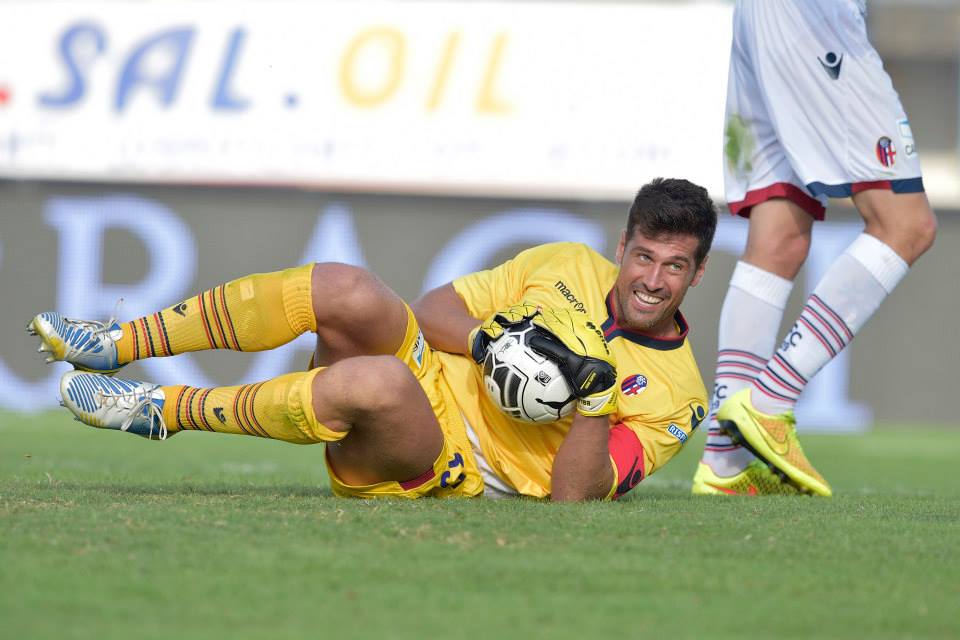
{"x": 525, "y": 385}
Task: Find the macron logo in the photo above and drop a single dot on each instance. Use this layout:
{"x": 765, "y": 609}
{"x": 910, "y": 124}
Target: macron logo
{"x": 571, "y": 298}
{"x": 832, "y": 64}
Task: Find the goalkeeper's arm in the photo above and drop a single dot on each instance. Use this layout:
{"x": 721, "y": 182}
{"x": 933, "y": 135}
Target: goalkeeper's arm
{"x": 444, "y": 319}
{"x": 582, "y": 469}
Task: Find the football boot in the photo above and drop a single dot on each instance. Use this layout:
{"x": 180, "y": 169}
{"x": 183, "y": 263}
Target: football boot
{"x": 772, "y": 439}
{"x": 87, "y": 345}
{"x": 115, "y": 403}
{"x": 757, "y": 479}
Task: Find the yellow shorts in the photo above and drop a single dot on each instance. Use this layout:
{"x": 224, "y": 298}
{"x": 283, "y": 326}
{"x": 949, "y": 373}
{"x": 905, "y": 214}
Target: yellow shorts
{"x": 454, "y": 473}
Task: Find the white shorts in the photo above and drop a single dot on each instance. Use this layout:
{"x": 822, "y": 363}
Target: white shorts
{"x": 811, "y": 113}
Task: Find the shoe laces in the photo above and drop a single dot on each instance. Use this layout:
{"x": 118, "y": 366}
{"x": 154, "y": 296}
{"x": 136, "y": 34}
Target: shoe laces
{"x": 97, "y": 328}
{"x": 134, "y": 403}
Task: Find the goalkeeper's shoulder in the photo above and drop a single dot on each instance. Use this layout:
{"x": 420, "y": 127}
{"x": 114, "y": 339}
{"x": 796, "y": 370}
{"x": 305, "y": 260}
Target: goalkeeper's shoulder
{"x": 567, "y": 250}
{"x": 573, "y": 249}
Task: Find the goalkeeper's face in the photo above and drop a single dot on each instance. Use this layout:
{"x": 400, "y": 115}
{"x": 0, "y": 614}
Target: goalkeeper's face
{"x": 655, "y": 274}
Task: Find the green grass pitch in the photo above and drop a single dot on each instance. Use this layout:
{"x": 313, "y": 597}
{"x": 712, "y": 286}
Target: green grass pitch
{"x": 106, "y": 535}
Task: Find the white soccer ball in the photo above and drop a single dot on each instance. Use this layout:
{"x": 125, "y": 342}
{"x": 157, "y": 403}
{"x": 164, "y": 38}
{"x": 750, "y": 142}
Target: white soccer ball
{"x": 524, "y": 384}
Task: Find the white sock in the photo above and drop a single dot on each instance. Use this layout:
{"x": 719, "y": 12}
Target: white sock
{"x": 851, "y": 291}
{"x": 749, "y": 324}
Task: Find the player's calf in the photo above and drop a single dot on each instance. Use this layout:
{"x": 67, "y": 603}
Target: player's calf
{"x": 280, "y": 408}
{"x": 253, "y": 313}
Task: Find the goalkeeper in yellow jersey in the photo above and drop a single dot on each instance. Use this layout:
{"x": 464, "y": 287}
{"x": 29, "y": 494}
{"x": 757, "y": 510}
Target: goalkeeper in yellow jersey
{"x": 395, "y": 390}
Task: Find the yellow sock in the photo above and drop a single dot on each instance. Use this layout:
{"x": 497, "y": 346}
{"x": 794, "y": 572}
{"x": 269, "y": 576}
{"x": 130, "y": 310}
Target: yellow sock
{"x": 281, "y": 409}
{"x": 258, "y": 312}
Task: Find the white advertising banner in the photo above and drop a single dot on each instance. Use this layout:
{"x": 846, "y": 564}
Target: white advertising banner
{"x": 502, "y": 98}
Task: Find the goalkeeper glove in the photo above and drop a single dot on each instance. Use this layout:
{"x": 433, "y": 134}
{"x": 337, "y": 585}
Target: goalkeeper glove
{"x": 575, "y": 343}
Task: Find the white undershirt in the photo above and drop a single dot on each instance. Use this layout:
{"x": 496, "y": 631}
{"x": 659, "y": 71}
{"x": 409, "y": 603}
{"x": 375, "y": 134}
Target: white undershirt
{"x": 493, "y": 485}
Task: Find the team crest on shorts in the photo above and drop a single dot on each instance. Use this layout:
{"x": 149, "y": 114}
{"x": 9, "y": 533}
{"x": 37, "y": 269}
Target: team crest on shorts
{"x": 418, "y": 348}
{"x": 633, "y": 385}
{"x": 886, "y": 152}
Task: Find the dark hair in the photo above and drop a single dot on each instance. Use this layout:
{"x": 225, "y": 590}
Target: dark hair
{"x": 667, "y": 206}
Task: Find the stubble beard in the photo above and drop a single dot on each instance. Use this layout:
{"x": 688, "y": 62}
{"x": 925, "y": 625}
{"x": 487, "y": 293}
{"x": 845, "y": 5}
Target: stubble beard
{"x": 645, "y": 323}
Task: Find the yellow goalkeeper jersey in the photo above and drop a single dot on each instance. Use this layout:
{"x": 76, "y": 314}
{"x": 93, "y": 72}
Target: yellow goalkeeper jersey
{"x": 661, "y": 400}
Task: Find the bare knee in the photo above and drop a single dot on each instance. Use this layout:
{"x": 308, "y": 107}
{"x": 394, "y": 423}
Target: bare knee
{"x": 910, "y": 238}
{"x": 366, "y": 387}
{"x": 923, "y": 233}
{"x": 356, "y": 313}
{"x": 904, "y": 222}
{"x": 343, "y": 292}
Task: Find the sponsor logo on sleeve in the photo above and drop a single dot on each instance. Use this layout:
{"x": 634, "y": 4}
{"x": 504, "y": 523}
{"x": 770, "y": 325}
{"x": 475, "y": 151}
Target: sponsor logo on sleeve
{"x": 677, "y": 433}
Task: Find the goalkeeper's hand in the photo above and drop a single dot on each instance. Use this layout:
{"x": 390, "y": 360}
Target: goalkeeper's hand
{"x": 572, "y": 341}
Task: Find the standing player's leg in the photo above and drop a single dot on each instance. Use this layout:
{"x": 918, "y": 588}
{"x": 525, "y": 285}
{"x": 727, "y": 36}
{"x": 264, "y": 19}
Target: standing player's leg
{"x": 849, "y": 293}
{"x": 899, "y": 229}
{"x": 873, "y": 159}
{"x": 759, "y": 184}
{"x": 777, "y": 245}
{"x": 903, "y": 222}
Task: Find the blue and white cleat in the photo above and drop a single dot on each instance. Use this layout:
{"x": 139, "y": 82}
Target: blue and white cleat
{"x": 87, "y": 345}
{"x": 114, "y": 403}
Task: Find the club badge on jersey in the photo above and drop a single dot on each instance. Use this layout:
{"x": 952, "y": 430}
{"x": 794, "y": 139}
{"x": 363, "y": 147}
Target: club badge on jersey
{"x": 634, "y": 384}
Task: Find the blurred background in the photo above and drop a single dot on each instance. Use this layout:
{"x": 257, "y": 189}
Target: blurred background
{"x": 149, "y": 150}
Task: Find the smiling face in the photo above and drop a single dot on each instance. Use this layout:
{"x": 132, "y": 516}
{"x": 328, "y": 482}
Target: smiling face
{"x": 655, "y": 274}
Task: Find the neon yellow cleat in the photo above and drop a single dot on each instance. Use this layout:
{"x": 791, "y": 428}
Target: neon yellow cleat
{"x": 756, "y": 480}
{"x": 773, "y": 439}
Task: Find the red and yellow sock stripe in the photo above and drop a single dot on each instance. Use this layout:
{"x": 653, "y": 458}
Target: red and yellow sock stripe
{"x": 217, "y": 322}
{"x": 244, "y": 410}
{"x": 221, "y": 409}
{"x": 150, "y": 337}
